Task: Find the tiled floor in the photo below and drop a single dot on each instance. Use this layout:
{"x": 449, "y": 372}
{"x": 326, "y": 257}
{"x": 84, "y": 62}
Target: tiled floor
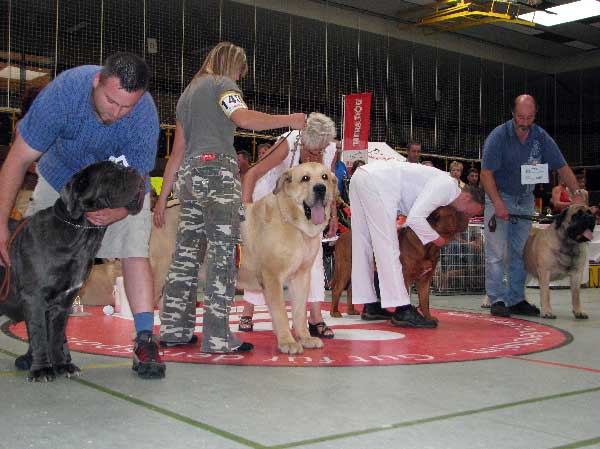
{"x": 515, "y": 402}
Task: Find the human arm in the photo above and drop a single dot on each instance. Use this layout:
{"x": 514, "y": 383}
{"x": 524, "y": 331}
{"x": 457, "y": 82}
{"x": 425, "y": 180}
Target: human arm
{"x": 333, "y": 220}
{"x": 169, "y": 176}
{"x": 438, "y": 191}
{"x": 259, "y": 121}
{"x": 568, "y": 177}
{"x": 556, "y": 161}
{"x": 105, "y": 217}
{"x": 233, "y": 106}
{"x": 488, "y": 182}
{"x": 276, "y": 156}
{"x": 19, "y": 158}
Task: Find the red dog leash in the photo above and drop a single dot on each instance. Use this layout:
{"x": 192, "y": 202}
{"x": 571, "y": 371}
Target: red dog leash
{"x": 5, "y": 286}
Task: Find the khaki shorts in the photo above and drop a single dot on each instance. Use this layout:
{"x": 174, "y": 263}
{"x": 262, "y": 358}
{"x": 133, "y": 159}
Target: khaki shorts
{"x": 125, "y": 238}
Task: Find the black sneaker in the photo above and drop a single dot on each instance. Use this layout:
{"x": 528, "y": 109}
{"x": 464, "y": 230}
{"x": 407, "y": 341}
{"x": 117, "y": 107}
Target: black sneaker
{"x": 146, "y": 359}
{"x": 524, "y": 308}
{"x": 24, "y": 362}
{"x": 374, "y": 311}
{"x": 410, "y": 317}
{"x": 500, "y": 309}
{"x": 173, "y": 344}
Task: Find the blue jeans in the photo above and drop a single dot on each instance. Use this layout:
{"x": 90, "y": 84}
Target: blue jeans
{"x": 504, "y": 250}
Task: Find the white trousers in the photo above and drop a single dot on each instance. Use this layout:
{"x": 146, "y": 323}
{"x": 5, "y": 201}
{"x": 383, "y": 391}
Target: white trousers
{"x": 317, "y": 284}
{"x": 374, "y": 231}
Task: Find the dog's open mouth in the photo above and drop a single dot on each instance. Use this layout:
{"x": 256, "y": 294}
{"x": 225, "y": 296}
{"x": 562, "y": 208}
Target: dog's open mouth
{"x": 316, "y": 213}
{"x": 585, "y": 236}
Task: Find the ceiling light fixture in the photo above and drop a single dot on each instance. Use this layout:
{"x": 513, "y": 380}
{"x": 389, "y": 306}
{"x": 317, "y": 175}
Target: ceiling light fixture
{"x": 569, "y": 12}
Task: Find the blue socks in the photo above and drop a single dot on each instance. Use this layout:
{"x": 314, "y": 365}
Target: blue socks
{"x": 144, "y": 322}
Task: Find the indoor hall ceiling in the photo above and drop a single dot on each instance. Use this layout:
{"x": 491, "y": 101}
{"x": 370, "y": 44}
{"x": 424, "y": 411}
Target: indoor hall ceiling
{"x": 568, "y": 39}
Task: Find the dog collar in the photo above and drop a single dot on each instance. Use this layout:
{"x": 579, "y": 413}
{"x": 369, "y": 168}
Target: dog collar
{"x": 75, "y": 225}
{"x": 59, "y": 209}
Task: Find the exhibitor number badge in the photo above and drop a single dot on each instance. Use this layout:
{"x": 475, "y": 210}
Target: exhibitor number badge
{"x": 231, "y": 101}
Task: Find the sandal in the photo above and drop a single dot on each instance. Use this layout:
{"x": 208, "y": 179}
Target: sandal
{"x": 246, "y": 324}
{"x": 320, "y": 330}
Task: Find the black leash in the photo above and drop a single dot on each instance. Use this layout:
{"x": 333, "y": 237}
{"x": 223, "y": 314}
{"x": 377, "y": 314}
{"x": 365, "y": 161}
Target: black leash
{"x": 274, "y": 147}
{"x": 513, "y": 218}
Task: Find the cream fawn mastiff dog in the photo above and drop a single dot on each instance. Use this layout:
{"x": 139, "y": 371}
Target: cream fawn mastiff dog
{"x": 281, "y": 236}
{"x": 560, "y": 251}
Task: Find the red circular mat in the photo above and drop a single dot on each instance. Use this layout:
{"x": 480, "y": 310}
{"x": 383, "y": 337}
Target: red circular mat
{"x": 460, "y": 336}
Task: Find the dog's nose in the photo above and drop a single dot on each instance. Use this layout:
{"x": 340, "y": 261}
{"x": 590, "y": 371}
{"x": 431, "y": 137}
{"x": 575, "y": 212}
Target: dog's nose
{"x": 320, "y": 190}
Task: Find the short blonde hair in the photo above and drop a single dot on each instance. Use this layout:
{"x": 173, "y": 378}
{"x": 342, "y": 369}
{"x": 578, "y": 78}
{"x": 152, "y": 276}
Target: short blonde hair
{"x": 319, "y": 131}
{"x": 225, "y": 59}
{"x": 457, "y": 165}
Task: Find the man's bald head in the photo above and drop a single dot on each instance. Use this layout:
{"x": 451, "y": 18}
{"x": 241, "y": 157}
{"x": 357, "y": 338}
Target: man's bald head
{"x": 525, "y": 101}
{"x": 524, "y": 111}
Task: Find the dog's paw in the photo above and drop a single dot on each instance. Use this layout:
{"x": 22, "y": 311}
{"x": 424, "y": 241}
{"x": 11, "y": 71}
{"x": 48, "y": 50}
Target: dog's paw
{"x": 45, "y": 374}
{"x": 68, "y": 370}
{"x": 580, "y": 315}
{"x": 352, "y": 312}
{"x": 335, "y": 314}
{"x": 549, "y": 316}
{"x": 312, "y": 342}
{"x": 291, "y": 347}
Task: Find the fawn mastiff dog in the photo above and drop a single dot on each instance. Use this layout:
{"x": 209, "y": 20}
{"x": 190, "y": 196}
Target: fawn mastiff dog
{"x": 52, "y": 255}
{"x": 281, "y": 236}
{"x": 418, "y": 260}
{"x": 560, "y": 251}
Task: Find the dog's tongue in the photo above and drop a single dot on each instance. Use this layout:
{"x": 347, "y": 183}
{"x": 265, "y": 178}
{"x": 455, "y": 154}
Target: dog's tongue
{"x": 317, "y": 214}
{"x": 588, "y": 235}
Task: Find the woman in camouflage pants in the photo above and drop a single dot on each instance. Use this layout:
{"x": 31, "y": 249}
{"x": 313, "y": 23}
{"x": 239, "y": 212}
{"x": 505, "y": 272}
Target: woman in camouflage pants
{"x": 208, "y": 112}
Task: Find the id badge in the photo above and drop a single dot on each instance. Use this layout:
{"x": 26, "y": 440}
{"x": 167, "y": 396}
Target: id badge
{"x": 534, "y": 174}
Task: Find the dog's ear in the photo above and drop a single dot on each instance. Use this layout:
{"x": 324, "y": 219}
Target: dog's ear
{"x": 562, "y": 217}
{"x": 286, "y": 177}
{"x": 70, "y": 196}
{"x": 462, "y": 222}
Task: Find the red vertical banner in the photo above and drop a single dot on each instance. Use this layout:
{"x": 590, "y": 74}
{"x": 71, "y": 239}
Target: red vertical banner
{"x": 357, "y": 120}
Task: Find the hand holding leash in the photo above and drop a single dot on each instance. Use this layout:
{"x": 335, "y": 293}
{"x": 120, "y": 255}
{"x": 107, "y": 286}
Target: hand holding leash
{"x": 501, "y": 211}
{"x": 298, "y": 120}
{"x": 580, "y": 196}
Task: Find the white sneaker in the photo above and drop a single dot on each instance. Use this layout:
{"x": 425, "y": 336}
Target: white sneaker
{"x": 486, "y": 303}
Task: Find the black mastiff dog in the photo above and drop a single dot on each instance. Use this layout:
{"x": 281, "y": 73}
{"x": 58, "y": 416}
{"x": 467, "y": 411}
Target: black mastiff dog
{"x": 52, "y": 255}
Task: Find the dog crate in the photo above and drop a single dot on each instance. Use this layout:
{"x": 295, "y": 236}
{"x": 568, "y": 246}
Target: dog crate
{"x": 461, "y": 268}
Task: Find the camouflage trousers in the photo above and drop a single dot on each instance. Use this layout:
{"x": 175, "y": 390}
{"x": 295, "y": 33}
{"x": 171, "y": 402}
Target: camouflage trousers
{"x": 211, "y": 210}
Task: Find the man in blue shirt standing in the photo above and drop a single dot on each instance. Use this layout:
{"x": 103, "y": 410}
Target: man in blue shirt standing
{"x": 89, "y": 114}
{"x": 512, "y": 153}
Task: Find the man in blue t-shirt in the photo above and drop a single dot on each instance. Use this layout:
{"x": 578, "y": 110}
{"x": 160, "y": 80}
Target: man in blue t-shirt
{"x": 512, "y": 154}
{"x": 89, "y": 114}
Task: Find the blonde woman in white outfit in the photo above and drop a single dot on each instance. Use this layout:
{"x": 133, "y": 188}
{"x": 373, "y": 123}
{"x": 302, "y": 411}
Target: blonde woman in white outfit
{"x": 378, "y": 192}
{"x": 314, "y": 144}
